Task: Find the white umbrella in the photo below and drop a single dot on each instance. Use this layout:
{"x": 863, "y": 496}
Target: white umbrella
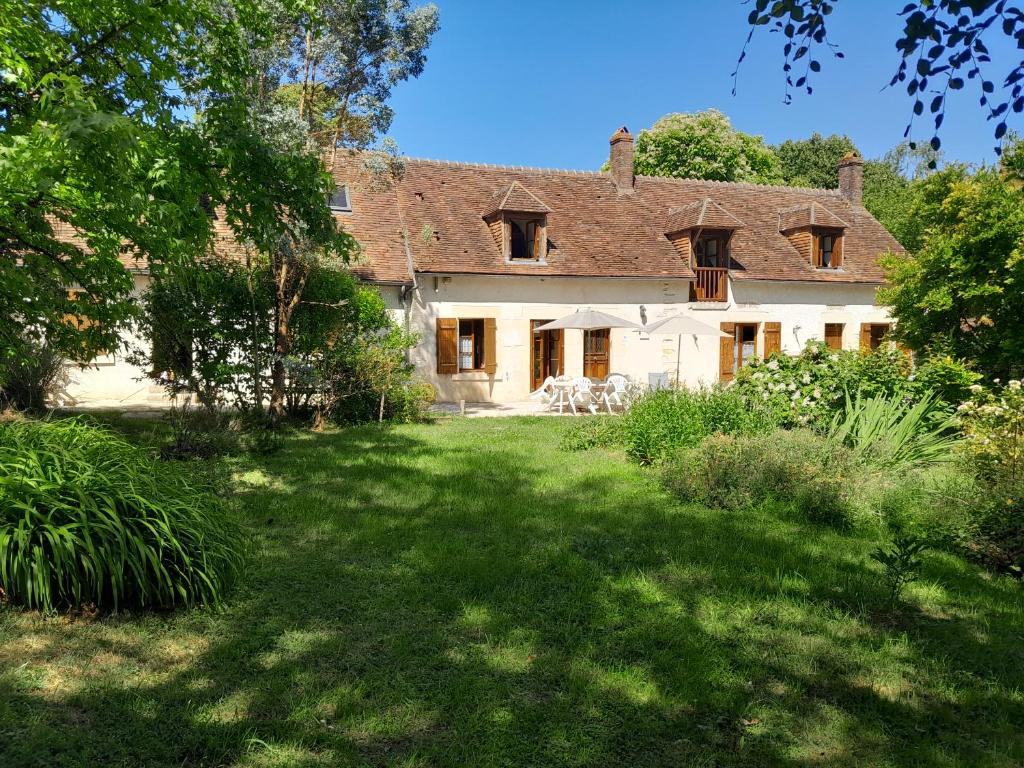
{"x": 683, "y": 324}
{"x": 587, "y": 320}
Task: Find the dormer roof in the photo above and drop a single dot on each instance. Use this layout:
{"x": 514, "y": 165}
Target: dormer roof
{"x": 809, "y": 215}
{"x": 515, "y": 198}
{"x": 701, "y": 214}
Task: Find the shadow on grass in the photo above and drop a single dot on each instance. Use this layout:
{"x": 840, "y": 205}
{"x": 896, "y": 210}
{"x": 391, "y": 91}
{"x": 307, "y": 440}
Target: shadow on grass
{"x": 466, "y": 595}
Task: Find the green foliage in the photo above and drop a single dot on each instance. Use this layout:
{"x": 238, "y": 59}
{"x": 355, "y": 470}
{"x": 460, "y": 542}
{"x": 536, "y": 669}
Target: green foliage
{"x": 960, "y": 291}
{"x": 895, "y": 434}
{"x": 813, "y": 162}
{"x": 993, "y": 421}
{"x": 890, "y": 197}
{"x": 901, "y": 563}
{"x": 950, "y": 379}
{"x": 86, "y": 517}
{"x": 809, "y": 389}
{"x": 592, "y": 432}
{"x": 368, "y": 377}
{"x": 31, "y": 376}
{"x": 659, "y": 422}
{"x": 797, "y": 467}
{"x": 704, "y": 145}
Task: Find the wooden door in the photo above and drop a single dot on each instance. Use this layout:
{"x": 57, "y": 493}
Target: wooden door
{"x": 546, "y": 354}
{"x": 596, "y": 353}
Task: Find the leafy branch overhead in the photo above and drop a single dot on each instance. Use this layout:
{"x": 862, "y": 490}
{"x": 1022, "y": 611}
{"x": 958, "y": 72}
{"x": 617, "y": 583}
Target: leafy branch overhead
{"x": 942, "y": 47}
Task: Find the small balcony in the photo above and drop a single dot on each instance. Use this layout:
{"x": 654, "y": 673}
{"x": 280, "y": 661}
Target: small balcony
{"x": 712, "y": 284}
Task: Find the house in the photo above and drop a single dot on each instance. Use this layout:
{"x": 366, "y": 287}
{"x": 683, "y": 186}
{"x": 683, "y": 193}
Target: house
{"x": 474, "y": 257}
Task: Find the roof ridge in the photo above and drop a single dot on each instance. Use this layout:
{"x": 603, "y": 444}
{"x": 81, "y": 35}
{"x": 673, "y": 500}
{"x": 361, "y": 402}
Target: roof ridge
{"x": 497, "y": 167}
{"x": 746, "y": 185}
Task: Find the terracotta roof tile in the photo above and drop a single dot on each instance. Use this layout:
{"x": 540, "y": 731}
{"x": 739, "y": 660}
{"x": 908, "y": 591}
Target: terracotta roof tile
{"x": 810, "y": 215}
{"x": 517, "y": 198}
{"x": 704, "y": 213}
{"x": 592, "y": 230}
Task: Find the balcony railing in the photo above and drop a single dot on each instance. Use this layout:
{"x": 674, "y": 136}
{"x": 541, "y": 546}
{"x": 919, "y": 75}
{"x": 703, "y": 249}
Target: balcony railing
{"x": 712, "y": 284}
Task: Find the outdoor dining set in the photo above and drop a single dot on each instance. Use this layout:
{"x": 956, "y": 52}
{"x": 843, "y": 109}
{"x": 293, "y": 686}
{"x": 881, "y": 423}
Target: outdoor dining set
{"x": 581, "y": 393}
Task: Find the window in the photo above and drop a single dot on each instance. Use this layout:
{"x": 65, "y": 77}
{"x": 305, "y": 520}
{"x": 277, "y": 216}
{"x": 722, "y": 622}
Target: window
{"x": 526, "y": 239}
{"x": 737, "y": 347}
{"x": 338, "y": 201}
{"x": 471, "y": 345}
{"x": 709, "y": 250}
{"x": 834, "y": 335}
{"x": 466, "y": 345}
{"x": 746, "y": 344}
{"x": 872, "y": 335}
{"x": 828, "y": 252}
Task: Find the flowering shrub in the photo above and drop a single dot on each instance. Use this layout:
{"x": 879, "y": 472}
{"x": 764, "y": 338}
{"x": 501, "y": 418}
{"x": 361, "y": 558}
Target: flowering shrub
{"x": 809, "y": 389}
{"x": 993, "y": 421}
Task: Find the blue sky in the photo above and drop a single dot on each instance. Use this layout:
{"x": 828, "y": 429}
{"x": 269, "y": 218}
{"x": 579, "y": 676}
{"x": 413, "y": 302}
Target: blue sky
{"x": 546, "y": 83}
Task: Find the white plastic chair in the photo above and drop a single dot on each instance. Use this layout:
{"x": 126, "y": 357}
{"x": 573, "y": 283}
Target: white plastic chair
{"x": 583, "y": 394}
{"x": 545, "y": 393}
{"x": 615, "y": 391}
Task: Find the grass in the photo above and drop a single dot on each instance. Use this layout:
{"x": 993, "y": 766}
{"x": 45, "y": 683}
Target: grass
{"x": 466, "y": 594}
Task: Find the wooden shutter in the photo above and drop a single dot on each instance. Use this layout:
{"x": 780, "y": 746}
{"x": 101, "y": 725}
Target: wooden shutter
{"x": 837, "y": 251}
{"x": 538, "y": 241}
{"x": 865, "y": 337}
{"x": 772, "y": 339}
{"x": 726, "y": 349}
{"x": 490, "y": 346}
{"x": 447, "y": 345}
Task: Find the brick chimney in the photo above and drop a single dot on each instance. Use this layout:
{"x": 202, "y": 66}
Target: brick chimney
{"x": 851, "y": 178}
{"x": 621, "y": 160}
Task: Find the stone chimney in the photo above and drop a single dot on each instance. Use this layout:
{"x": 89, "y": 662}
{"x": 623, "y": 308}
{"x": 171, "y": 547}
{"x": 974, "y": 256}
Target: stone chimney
{"x": 851, "y": 178}
{"x": 621, "y": 160}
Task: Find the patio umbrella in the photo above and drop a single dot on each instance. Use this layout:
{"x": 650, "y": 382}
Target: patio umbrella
{"x": 683, "y": 324}
{"x": 587, "y": 320}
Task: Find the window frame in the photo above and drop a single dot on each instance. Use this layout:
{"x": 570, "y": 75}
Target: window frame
{"x": 537, "y": 245}
{"x": 835, "y": 253}
{"x": 721, "y": 241}
{"x": 477, "y": 333}
{"x": 347, "y": 208}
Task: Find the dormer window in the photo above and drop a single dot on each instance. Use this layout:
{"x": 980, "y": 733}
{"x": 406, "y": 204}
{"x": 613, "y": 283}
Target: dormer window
{"x": 338, "y": 202}
{"x": 709, "y": 250}
{"x": 525, "y": 239}
{"x": 518, "y": 221}
{"x": 828, "y": 249}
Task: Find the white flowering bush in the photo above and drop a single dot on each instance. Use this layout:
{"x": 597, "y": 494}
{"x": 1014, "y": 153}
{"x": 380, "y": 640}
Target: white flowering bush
{"x": 809, "y": 389}
{"x": 993, "y": 422}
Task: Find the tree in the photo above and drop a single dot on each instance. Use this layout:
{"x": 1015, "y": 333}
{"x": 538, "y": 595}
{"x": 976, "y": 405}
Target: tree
{"x": 813, "y": 162}
{"x": 891, "y": 190}
{"x": 959, "y": 293}
{"x": 95, "y": 162}
{"x": 122, "y": 126}
{"x": 941, "y": 48}
{"x": 704, "y": 145}
{"x": 347, "y": 58}
{"x": 324, "y": 80}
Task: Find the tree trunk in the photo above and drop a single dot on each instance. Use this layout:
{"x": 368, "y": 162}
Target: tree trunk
{"x": 290, "y": 276}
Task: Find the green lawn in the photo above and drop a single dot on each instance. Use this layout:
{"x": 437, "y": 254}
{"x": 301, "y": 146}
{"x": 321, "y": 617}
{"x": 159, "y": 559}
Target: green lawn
{"x": 465, "y": 594}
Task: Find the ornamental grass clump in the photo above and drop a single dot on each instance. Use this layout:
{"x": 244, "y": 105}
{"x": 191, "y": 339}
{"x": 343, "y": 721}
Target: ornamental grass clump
{"x": 87, "y": 518}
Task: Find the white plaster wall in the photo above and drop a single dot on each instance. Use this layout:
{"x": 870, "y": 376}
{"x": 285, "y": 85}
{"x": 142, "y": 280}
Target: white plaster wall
{"x": 803, "y": 310}
{"x": 111, "y": 379}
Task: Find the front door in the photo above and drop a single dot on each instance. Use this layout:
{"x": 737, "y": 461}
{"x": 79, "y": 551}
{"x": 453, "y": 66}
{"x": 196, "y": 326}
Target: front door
{"x": 545, "y": 354}
{"x": 596, "y": 353}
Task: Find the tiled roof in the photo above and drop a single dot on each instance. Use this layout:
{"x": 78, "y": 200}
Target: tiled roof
{"x": 810, "y": 215}
{"x": 592, "y": 230}
{"x": 517, "y": 198}
{"x": 704, "y": 213}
